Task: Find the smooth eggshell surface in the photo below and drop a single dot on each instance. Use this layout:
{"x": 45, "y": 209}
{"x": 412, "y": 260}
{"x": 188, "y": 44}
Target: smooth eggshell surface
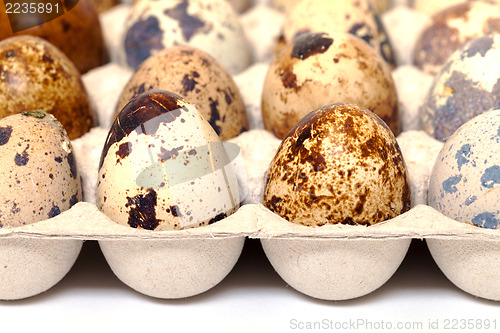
{"x": 163, "y": 167}
{"x": 318, "y": 69}
{"x": 467, "y": 85}
{"x": 38, "y": 169}
{"x": 35, "y": 75}
{"x": 465, "y": 179}
{"x": 340, "y": 164}
{"x": 287, "y": 5}
{"x": 451, "y": 28}
{"x": 212, "y": 26}
{"x": 355, "y": 17}
{"x": 198, "y": 78}
{"x": 77, "y": 33}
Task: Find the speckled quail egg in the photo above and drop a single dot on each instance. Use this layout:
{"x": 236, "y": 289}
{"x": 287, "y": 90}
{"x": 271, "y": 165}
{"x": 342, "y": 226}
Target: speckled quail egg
{"x": 465, "y": 179}
{"x": 36, "y": 75}
{"x": 75, "y": 30}
{"x": 353, "y": 16}
{"x": 38, "y": 169}
{"x": 287, "y": 5}
{"x": 452, "y": 27}
{"x": 319, "y": 69}
{"x": 200, "y": 79}
{"x": 212, "y": 26}
{"x": 163, "y": 167}
{"x": 467, "y": 85}
{"x": 339, "y": 164}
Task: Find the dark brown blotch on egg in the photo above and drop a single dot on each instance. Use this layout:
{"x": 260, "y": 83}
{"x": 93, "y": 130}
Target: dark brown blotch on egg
{"x": 155, "y": 105}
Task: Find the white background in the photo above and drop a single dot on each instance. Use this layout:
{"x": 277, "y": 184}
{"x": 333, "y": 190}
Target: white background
{"x": 253, "y": 298}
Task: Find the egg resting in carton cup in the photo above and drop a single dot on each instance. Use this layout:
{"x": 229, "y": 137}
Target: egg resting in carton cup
{"x": 163, "y": 167}
{"x": 40, "y": 181}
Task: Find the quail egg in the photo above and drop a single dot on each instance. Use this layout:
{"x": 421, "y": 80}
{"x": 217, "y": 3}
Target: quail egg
{"x": 36, "y": 75}
{"x": 339, "y": 164}
{"x": 319, "y": 69}
{"x": 467, "y": 85}
{"x": 452, "y": 27}
{"x": 465, "y": 179}
{"x": 75, "y": 29}
{"x": 200, "y": 79}
{"x": 163, "y": 167}
{"x": 353, "y": 16}
{"x": 212, "y": 26}
{"x": 39, "y": 175}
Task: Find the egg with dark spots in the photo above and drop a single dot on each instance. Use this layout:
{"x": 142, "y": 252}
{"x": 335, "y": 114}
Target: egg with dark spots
{"x": 465, "y": 179}
{"x": 163, "y": 167}
{"x": 355, "y": 17}
{"x": 198, "y": 78}
{"x": 73, "y": 27}
{"x": 212, "y": 26}
{"x": 339, "y": 164}
{"x": 319, "y": 69}
{"x": 450, "y": 28}
{"x": 467, "y": 85}
{"x": 35, "y": 75}
{"x": 34, "y": 185}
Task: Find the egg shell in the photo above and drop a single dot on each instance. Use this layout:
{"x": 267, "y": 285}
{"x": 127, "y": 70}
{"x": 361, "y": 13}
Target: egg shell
{"x": 36, "y": 75}
{"x": 240, "y": 6}
{"x": 103, "y": 5}
{"x": 197, "y": 77}
{"x": 355, "y": 17}
{"x": 159, "y": 167}
{"x": 451, "y": 28}
{"x": 77, "y": 33}
{"x": 340, "y": 164}
{"x": 320, "y": 69}
{"x": 287, "y": 5}
{"x": 211, "y": 26}
{"x": 38, "y": 169}
{"x": 465, "y": 179}
{"x": 431, "y": 7}
{"x": 466, "y": 86}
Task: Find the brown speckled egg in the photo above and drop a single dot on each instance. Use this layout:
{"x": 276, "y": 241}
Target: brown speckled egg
{"x": 77, "y": 33}
{"x": 37, "y": 168}
{"x": 319, "y": 69}
{"x": 35, "y": 75}
{"x": 340, "y": 164}
{"x": 212, "y": 26}
{"x": 353, "y": 16}
{"x": 200, "y": 79}
{"x": 452, "y": 27}
{"x": 466, "y": 86}
{"x": 163, "y": 167}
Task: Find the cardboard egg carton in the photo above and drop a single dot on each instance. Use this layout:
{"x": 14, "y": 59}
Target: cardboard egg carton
{"x": 332, "y": 262}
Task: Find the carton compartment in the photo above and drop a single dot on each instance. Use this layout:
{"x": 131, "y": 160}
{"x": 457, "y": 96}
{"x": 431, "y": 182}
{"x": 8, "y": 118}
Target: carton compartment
{"x": 337, "y": 269}
{"x": 174, "y": 268}
{"x": 473, "y": 265}
{"x": 30, "y": 266}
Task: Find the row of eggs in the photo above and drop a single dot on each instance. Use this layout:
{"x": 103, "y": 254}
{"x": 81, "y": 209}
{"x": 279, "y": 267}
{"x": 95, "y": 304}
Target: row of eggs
{"x": 163, "y": 167}
{"x": 302, "y": 52}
